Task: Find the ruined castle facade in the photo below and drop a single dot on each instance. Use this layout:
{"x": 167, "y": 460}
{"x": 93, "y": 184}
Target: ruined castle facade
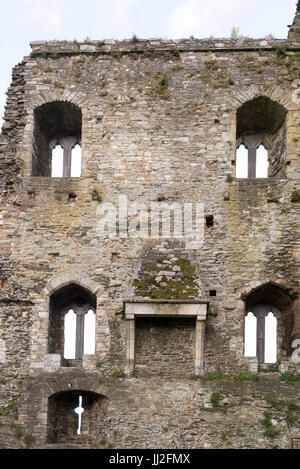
{"x": 158, "y": 123}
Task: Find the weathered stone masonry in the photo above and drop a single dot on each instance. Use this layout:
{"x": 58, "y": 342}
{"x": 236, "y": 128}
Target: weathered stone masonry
{"x": 157, "y": 121}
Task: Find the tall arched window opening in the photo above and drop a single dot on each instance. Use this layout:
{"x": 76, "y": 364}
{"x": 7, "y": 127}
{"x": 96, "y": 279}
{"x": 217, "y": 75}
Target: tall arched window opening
{"x": 242, "y": 162}
{"x": 76, "y": 161}
{"x": 72, "y": 325}
{"x": 271, "y": 337}
{"x": 57, "y": 164}
{"x": 57, "y": 124}
{"x": 250, "y": 335}
{"x": 261, "y": 129}
{"x": 70, "y": 335}
{"x": 262, "y": 162}
{"x": 269, "y": 324}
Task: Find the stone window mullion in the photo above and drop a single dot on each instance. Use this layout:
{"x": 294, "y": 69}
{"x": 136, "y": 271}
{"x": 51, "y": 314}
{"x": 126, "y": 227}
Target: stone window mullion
{"x": 68, "y": 144}
{"x": 79, "y": 348}
{"x": 252, "y": 162}
{"x": 252, "y": 142}
{"x": 260, "y": 338}
{"x": 67, "y": 162}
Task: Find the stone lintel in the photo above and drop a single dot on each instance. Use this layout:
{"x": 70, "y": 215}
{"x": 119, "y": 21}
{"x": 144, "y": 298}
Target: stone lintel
{"x": 178, "y": 309}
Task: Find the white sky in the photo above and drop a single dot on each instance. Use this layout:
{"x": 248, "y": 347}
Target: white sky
{"x": 23, "y": 21}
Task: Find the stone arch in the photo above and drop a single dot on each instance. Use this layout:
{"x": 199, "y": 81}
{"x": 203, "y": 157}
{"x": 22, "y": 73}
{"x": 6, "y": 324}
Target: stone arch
{"x": 76, "y": 416}
{"x": 274, "y": 93}
{"x": 49, "y": 96}
{"x": 255, "y": 294}
{"x": 57, "y": 283}
{"x": 80, "y": 381}
{"x": 260, "y": 115}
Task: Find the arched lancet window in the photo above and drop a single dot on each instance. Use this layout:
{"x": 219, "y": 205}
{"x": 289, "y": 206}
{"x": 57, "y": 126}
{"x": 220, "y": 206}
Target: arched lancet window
{"x": 89, "y": 333}
{"x": 70, "y": 334}
{"x": 57, "y": 163}
{"x": 262, "y": 162}
{"x": 271, "y": 338}
{"x": 250, "y": 335}
{"x": 242, "y": 162}
{"x": 72, "y": 325}
{"x": 76, "y": 161}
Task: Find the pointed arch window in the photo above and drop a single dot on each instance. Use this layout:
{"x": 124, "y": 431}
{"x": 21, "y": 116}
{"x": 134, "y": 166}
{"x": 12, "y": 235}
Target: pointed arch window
{"x": 76, "y": 161}
{"x": 262, "y": 162}
{"x": 57, "y": 132}
{"x": 72, "y": 325}
{"x": 242, "y": 161}
{"x": 250, "y": 335}
{"x": 261, "y": 134}
{"x": 57, "y": 163}
{"x": 269, "y": 323}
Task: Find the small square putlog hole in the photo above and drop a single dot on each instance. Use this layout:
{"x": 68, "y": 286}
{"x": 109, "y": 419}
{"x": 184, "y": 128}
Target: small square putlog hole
{"x": 209, "y": 220}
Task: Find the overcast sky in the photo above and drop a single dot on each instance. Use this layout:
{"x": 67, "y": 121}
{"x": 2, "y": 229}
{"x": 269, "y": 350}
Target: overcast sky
{"x": 23, "y": 21}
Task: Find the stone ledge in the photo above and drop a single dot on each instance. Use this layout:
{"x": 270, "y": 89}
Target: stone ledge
{"x": 166, "y": 308}
{"x": 108, "y": 46}
{"x": 166, "y": 301}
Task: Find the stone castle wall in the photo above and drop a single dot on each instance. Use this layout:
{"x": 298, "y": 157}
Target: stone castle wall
{"x": 158, "y": 125}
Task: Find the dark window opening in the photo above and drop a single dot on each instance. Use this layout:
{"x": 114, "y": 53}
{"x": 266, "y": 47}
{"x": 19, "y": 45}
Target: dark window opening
{"x": 261, "y": 139}
{"x": 209, "y": 220}
{"x": 57, "y": 140}
{"x": 72, "y": 198}
{"x": 212, "y": 293}
{"x": 76, "y": 417}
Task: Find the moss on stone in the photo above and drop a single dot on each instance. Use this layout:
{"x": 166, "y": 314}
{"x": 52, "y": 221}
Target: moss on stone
{"x": 289, "y": 376}
{"x": 148, "y": 285}
{"x": 118, "y": 374}
{"x": 96, "y": 196}
{"x": 270, "y": 431}
{"x": 219, "y": 375}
